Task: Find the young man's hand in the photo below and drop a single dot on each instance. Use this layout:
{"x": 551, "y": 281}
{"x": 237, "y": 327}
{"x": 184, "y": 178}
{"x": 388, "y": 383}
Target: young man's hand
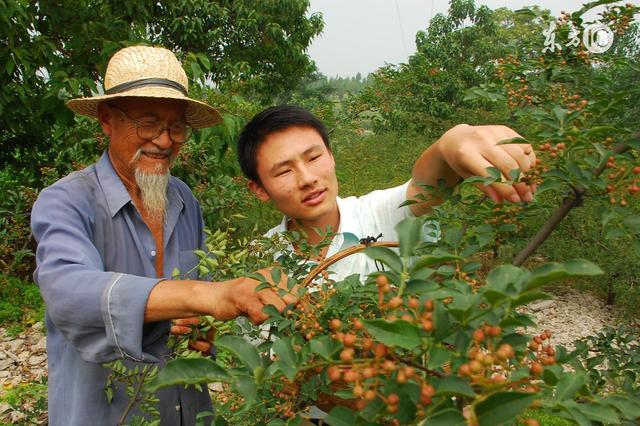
{"x": 469, "y": 150}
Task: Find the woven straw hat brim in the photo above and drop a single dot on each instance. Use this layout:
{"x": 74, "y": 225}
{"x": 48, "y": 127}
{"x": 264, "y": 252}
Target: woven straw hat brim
{"x": 199, "y": 115}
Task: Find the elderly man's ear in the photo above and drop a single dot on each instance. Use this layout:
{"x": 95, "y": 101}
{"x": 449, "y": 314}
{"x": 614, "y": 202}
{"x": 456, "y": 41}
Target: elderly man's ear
{"x": 258, "y": 190}
{"x": 104, "y": 117}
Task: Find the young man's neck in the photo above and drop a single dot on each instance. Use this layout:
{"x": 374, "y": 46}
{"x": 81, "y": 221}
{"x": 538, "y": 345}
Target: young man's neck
{"x": 315, "y": 231}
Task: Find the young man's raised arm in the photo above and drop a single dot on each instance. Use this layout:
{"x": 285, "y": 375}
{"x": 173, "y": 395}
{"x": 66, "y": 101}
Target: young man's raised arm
{"x": 465, "y": 151}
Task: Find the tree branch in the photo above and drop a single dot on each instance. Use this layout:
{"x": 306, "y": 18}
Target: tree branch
{"x": 564, "y": 209}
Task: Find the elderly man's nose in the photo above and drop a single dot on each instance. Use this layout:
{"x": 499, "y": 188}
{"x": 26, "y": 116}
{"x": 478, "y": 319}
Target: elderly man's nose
{"x": 163, "y": 140}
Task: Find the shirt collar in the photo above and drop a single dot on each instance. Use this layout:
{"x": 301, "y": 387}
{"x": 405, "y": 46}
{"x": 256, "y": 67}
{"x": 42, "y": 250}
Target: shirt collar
{"x": 116, "y": 194}
{"x": 112, "y": 186}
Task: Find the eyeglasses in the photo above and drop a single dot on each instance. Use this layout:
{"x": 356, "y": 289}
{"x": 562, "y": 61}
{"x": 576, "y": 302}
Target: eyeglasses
{"x": 152, "y": 129}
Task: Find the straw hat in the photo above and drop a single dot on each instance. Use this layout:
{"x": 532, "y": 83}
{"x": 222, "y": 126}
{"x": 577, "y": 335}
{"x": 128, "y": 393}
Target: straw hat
{"x": 150, "y": 72}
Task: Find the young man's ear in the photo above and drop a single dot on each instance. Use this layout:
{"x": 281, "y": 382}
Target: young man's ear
{"x": 257, "y": 189}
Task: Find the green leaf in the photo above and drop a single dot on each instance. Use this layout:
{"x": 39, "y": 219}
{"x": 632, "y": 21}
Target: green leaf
{"x": 502, "y": 407}
{"x": 576, "y": 415}
{"x": 246, "y": 387}
{"x": 452, "y": 385}
{"x": 288, "y": 360}
{"x": 507, "y": 227}
{"x": 560, "y": 114}
{"x": 629, "y": 408}
{"x": 386, "y": 256}
{"x": 514, "y": 339}
{"x": 568, "y": 385}
{"x": 276, "y": 274}
{"x": 409, "y": 235}
{"x": 614, "y": 233}
{"x": 448, "y": 417}
{"x": 632, "y": 223}
{"x": 528, "y": 297}
{"x": 187, "y": 372}
{"x": 494, "y": 173}
{"x": 481, "y": 179}
{"x": 394, "y": 333}
{"x": 518, "y": 320}
{"x": 595, "y": 412}
{"x": 341, "y": 416}
{"x": 431, "y": 259}
{"x": 420, "y": 286}
{"x": 552, "y": 374}
{"x": 324, "y": 346}
{"x": 264, "y": 286}
{"x": 243, "y": 350}
{"x": 526, "y": 12}
{"x": 453, "y": 236}
{"x": 550, "y": 272}
{"x": 437, "y": 356}
{"x": 500, "y": 277}
{"x": 220, "y": 421}
{"x": 517, "y": 139}
{"x": 272, "y": 311}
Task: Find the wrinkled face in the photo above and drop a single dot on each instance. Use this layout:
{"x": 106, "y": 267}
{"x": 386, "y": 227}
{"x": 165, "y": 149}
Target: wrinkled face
{"x": 297, "y": 172}
{"x": 127, "y": 150}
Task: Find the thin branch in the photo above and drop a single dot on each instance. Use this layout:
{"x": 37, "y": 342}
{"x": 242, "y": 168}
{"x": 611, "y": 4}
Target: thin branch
{"x": 564, "y": 209}
{"x": 342, "y": 254}
{"x": 136, "y": 396}
{"x": 421, "y": 367}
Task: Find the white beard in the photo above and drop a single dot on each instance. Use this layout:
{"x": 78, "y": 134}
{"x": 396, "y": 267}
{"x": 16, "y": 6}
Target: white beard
{"x": 153, "y": 192}
{"x": 153, "y": 189}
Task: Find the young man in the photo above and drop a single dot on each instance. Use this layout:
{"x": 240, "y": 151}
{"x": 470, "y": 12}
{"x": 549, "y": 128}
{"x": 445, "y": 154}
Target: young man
{"x": 284, "y": 152}
{"x": 109, "y": 236}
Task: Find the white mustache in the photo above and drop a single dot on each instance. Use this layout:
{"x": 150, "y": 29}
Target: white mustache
{"x": 141, "y": 151}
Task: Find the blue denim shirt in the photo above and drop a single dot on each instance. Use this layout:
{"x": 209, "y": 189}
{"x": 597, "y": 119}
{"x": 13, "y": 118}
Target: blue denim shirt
{"x": 95, "y": 269}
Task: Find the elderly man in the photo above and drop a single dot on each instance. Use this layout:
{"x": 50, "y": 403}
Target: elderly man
{"x": 109, "y": 235}
{"x": 284, "y": 152}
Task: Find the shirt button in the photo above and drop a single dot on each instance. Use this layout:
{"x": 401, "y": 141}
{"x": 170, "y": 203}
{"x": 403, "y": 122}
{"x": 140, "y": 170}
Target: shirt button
{"x": 178, "y": 407}
{"x": 153, "y": 253}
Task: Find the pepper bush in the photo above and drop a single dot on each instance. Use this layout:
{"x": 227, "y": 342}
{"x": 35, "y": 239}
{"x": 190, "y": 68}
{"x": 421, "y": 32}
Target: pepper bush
{"x": 415, "y": 343}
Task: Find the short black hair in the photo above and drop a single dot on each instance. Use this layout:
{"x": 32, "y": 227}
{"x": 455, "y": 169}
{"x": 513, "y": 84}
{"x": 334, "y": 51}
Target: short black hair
{"x": 269, "y": 121}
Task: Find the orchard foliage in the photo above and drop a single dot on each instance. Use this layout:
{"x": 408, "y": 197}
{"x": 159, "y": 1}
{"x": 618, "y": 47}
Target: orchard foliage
{"x": 416, "y": 343}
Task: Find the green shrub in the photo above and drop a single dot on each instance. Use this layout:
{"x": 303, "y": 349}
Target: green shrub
{"x": 20, "y": 303}
{"x": 27, "y": 399}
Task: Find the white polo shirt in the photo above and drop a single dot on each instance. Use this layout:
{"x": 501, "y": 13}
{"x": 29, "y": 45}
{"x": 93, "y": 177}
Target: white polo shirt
{"x": 370, "y": 215}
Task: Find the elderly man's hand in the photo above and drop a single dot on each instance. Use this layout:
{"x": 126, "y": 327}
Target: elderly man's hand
{"x": 469, "y": 150}
{"x": 240, "y": 298}
{"x": 182, "y": 326}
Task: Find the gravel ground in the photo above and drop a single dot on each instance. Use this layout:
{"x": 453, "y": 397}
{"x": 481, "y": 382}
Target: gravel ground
{"x": 571, "y": 315}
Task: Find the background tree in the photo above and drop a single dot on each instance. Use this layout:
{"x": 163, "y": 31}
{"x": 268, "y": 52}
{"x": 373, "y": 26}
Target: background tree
{"x": 57, "y": 50}
{"x": 457, "y": 51}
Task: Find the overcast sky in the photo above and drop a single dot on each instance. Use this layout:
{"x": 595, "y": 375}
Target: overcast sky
{"x": 362, "y": 35}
